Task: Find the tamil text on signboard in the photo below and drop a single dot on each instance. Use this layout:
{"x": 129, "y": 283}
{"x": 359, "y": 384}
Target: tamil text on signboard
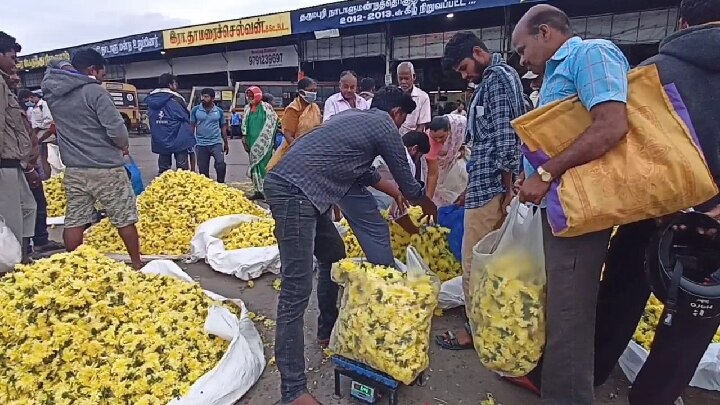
{"x": 269, "y": 26}
{"x": 368, "y": 12}
{"x": 130, "y": 45}
{"x": 41, "y": 60}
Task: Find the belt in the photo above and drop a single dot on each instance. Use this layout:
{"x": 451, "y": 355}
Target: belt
{"x": 10, "y": 164}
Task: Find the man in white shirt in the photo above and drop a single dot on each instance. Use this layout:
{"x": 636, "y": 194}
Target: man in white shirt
{"x": 347, "y": 98}
{"x": 421, "y": 117}
{"x": 535, "y": 83}
{"x": 41, "y": 121}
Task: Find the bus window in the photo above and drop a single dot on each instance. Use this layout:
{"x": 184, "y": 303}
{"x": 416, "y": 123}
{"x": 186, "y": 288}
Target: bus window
{"x": 224, "y": 97}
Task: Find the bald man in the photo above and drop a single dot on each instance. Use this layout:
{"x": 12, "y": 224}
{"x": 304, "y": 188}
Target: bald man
{"x": 595, "y": 71}
{"x": 420, "y": 118}
{"x": 347, "y": 98}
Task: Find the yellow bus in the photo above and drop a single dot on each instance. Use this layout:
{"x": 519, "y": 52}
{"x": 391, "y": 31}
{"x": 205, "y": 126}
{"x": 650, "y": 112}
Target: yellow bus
{"x": 125, "y": 97}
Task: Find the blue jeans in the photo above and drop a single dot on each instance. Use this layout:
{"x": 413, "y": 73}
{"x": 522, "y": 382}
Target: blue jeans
{"x": 301, "y": 231}
{"x": 360, "y": 208}
{"x": 203, "y": 160}
{"x": 41, "y": 236}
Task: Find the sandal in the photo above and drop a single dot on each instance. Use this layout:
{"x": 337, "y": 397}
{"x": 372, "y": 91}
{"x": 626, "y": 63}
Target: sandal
{"x": 448, "y": 341}
{"x": 323, "y": 343}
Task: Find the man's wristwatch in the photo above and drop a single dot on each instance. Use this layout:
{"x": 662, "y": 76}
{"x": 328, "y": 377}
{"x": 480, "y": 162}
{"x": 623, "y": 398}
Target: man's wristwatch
{"x": 545, "y": 175}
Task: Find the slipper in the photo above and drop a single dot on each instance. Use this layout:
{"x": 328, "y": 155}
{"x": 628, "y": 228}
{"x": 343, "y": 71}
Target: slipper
{"x": 448, "y": 341}
{"x": 522, "y": 382}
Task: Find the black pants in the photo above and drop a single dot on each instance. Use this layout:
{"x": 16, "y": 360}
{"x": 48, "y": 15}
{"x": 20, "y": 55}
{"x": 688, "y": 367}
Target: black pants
{"x": 165, "y": 161}
{"x": 204, "y": 153}
{"x": 623, "y": 294}
{"x": 675, "y": 351}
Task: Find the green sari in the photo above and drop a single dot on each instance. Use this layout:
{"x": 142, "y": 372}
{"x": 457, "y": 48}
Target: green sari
{"x": 260, "y": 127}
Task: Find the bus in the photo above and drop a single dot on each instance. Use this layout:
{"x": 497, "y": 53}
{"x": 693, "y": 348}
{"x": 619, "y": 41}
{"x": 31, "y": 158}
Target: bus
{"x": 283, "y": 93}
{"x": 125, "y": 98}
{"x": 224, "y": 96}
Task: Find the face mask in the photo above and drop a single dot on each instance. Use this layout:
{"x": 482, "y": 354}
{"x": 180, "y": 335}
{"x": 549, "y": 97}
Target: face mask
{"x": 29, "y": 104}
{"x": 309, "y": 96}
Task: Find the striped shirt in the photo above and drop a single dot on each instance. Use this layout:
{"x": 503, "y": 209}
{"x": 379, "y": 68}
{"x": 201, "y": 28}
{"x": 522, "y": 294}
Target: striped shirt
{"x": 495, "y": 146}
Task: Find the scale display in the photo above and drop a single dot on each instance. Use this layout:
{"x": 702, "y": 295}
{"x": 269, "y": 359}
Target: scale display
{"x": 362, "y": 392}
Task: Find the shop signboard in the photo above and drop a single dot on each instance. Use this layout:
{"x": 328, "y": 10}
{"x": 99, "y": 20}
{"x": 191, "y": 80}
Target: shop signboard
{"x": 360, "y": 12}
{"x": 245, "y": 29}
{"x": 263, "y": 58}
{"x": 41, "y": 60}
{"x": 131, "y": 45}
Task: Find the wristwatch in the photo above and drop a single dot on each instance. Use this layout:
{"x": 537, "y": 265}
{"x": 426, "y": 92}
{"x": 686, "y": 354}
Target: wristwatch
{"x": 545, "y": 175}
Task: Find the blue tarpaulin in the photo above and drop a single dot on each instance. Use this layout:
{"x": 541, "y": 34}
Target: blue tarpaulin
{"x": 453, "y": 218}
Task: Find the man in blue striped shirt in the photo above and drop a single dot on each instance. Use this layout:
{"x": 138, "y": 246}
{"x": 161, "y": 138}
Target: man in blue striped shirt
{"x": 495, "y": 157}
{"x": 595, "y": 71}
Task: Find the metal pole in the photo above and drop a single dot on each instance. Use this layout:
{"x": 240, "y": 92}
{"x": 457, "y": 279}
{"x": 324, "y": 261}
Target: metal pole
{"x": 227, "y": 67}
{"x": 388, "y": 53}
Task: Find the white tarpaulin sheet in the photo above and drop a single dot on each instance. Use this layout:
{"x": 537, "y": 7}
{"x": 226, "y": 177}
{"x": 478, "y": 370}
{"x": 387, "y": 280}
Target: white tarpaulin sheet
{"x": 707, "y": 375}
{"x": 244, "y": 361}
{"x": 245, "y": 264}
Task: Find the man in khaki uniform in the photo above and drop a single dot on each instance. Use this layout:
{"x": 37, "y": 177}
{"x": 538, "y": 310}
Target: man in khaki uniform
{"x": 17, "y": 205}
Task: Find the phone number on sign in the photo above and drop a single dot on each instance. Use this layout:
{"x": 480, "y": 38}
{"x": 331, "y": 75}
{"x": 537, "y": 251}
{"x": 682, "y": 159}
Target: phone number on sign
{"x": 267, "y": 59}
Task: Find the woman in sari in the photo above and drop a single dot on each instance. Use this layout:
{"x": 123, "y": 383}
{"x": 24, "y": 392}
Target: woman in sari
{"x": 300, "y": 117}
{"x": 447, "y": 134}
{"x": 259, "y": 125}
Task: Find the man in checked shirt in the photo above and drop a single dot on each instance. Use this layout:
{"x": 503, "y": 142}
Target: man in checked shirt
{"x": 495, "y": 158}
{"x": 333, "y": 165}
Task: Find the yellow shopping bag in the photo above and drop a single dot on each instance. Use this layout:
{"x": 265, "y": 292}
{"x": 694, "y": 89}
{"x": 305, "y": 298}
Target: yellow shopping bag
{"x": 657, "y": 169}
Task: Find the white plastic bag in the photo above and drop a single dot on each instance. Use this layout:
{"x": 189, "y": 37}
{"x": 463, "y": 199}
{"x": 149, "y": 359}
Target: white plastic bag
{"x": 380, "y": 305}
{"x": 451, "y": 294}
{"x": 10, "y": 249}
{"x": 507, "y": 294}
{"x": 707, "y": 374}
{"x": 56, "y": 164}
{"x": 244, "y": 361}
{"x": 245, "y": 264}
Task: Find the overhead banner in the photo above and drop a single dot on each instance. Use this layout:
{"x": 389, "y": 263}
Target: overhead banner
{"x": 360, "y": 12}
{"x": 131, "y": 45}
{"x": 246, "y": 29}
{"x": 265, "y": 58}
{"x": 41, "y": 60}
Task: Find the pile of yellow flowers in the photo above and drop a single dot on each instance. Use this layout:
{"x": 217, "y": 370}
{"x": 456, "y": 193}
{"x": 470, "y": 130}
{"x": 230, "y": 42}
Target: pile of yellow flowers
{"x": 55, "y": 196}
{"x": 431, "y": 243}
{"x": 507, "y": 313}
{"x": 385, "y": 318}
{"x": 79, "y": 328}
{"x": 251, "y": 234}
{"x": 170, "y": 210}
{"x": 645, "y": 332}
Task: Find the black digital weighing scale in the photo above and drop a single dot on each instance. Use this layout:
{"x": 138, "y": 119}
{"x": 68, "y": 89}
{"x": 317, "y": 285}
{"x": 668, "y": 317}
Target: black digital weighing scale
{"x": 367, "y": 385}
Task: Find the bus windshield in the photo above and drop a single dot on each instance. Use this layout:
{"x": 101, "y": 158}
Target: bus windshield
{"x": 223, "y": 97}
{"x": 125, "y": 98}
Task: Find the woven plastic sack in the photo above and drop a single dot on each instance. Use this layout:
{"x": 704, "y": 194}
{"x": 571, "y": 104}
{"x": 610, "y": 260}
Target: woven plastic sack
{"x": 385, "y": 315}
{"x": 507, "y": 295}
{"x": 657, "y": 169}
